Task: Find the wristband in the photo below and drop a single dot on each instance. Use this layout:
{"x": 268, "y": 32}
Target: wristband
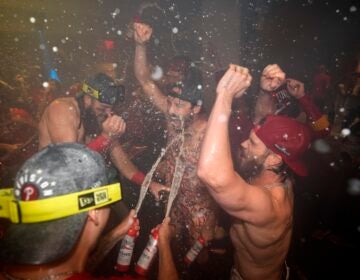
{"x": 99, "y": 144}
{"x": 138, "y": 178}
{"x": 310, "y": 108}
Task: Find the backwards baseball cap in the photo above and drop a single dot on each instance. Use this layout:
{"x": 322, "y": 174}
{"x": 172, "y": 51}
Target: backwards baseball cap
{"x": 179, "y": 63}
{"x": 190, "y": 89}
{"x": 151, "y": 15}
{"x": 48, "y": 206}
{"x": 287, "y": 138}
{"x": 104, "y": 89}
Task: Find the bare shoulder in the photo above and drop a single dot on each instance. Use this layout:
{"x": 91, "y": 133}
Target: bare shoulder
{"x": 282, "y": 195}
{"x": 65, "y": 107}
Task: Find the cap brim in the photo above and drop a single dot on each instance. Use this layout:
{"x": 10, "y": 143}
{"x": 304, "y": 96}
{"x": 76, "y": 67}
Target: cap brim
{"x": 41, "y": 243}
{"x": 297, "y": 166}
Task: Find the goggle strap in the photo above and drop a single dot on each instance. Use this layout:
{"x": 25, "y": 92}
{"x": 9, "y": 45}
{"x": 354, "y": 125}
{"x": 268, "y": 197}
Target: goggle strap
{"x": 91, "y": 91}
{"x": 58, "y": 207}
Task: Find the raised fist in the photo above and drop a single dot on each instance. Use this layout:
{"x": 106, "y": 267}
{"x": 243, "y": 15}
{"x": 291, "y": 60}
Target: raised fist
{"x": 142, "y": 33}
{"x": 235, "y": 81}
{"x": 272, "y": 77}
{"x": 113, "y": 126}
{"x": 295, "y": 88}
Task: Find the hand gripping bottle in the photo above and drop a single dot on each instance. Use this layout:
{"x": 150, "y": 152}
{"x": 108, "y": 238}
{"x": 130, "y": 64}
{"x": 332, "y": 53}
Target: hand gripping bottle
{"x": 143, "y": 264}
{"x": 195, "y": 250}
{"x": 126, "y": 250}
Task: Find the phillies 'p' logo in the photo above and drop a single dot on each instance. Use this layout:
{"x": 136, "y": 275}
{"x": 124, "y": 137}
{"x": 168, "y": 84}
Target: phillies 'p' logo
{"x": 29, "y": 192}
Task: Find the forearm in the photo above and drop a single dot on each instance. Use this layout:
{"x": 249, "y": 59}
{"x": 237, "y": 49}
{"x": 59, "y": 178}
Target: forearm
{"x": 318, "y": 120}
{"x": 141, "y": 66}
{"x": 167, "y": 269}
{"x": 122, "y": 162}
{"x": 215, "y": 157}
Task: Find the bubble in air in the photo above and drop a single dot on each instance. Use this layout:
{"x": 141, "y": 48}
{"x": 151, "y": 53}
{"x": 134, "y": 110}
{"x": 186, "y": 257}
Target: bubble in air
{"x": 353, "y": 9}
{"x": 354, "y": 186}
{"x": 321, "y": 146}
{"x": 157, "y": 73}
{"x": 345, "y": 132}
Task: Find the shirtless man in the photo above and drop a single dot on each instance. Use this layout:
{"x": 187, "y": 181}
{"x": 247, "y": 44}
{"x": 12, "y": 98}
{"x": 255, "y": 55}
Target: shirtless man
{"x": 193, "y": 208}
{"x": 63, "y": 120}
{"x": 261, "y": 199}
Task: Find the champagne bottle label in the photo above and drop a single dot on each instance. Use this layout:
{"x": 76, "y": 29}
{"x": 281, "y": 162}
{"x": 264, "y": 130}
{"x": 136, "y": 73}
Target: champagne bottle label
{"x": 126, "y": 250}
{"x": 194, "y": 251}
{"x": 148, "y": 253}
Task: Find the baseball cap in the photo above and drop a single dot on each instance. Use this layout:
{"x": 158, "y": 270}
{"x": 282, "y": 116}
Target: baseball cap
{"x": 179, "y": 63}
{"x": 151, "y": 15}
{"x": 287, "y": 138}
{"x": 104, "y": 89}
{"x": 190, "y": 89}
{"x": 55, "y": 172}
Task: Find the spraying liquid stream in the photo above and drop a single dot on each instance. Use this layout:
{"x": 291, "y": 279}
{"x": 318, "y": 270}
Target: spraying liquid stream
{"x": 178, "y": 173}
{"x": 145, "y": 185}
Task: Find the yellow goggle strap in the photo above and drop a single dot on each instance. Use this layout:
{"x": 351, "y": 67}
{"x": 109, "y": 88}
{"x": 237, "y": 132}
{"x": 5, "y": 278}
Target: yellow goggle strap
{"x": 56, "y": 207}
{"x": 91, "y": 91}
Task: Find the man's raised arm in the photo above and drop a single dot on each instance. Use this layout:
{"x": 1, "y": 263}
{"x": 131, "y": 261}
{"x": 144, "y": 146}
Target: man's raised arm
{"x": 215, "y": 168}
{"x": 142, "y": 34}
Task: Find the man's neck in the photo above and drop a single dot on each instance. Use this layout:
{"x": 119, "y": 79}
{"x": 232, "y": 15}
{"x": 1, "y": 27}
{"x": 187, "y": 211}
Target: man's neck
{"x": 266, "y": 177}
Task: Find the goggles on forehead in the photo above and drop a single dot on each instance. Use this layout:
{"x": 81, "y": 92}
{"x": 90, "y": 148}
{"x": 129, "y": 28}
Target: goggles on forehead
{"x": 48, "y": 209}
{"x": 90, "y": 91}
{"x": 110, "y": 97}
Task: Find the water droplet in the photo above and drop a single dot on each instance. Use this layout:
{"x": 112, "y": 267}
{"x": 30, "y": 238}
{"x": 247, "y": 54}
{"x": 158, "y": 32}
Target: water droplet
{"x": 55, "y": 49}
{"x": 345, "y": 132}
{"x": 32, "y": 20}
{"x": 354, "y": 186}
{"x": 157, "y": 73}
{"x": 45, "y": 84}
{"x": 321, "y": 146}
{"x": 353, "y": 9}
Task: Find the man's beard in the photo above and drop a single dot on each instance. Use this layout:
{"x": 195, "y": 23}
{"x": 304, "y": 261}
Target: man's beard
{"x": 178, "y": 123}
{"x": 250, "y": 167}
{"x": 92, "y": 123}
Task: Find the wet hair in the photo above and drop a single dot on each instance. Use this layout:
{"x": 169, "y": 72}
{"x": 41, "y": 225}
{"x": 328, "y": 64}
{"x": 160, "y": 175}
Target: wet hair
{"x": 282, "y": 170}
{"x": 179, "y": 63}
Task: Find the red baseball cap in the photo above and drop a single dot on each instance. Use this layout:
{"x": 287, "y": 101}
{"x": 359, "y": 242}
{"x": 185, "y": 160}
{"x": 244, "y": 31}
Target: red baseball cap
{"x": 288, "y": 138}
